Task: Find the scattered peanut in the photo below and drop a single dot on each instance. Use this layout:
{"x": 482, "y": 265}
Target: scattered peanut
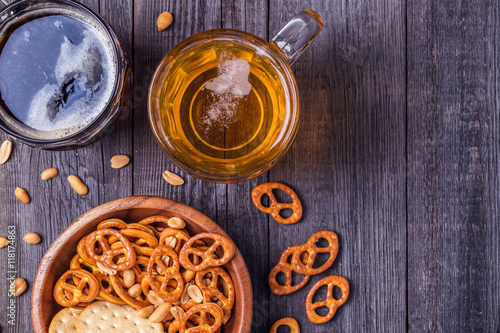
{"x": 146, "y": 312}
{"x": 77, "y": 185}
{"x": 106, "y": 270}
{"x": 128, "y": 278}
{"x": 172, "y": 178}
{"x": 164, "y": 20}
{"x": 154, "y": 299}
{"x": 20, "y": 286}
{"x": 195, "y": 293}
{"x": 135, "y": 290}
{"x": 160, "y": 313}
{"x": 3, "y": 242}
{"x": 22, "y": 195}
{"x": 5, "y": 151}
{"x": 178, "y": 312}
{"x": 119, "y": 161}
{"x": 49, "y": 173}
{"x": 176, "y": 223}
{"x": 32, "y": 238}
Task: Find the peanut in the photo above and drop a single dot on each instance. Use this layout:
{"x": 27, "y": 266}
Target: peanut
{"x": 119, "y": 161}
{"x": 154, "y": 299}
{"x": 32, "y": 238}
{"x": 146, "y": 312}
{"x": 22, "y": 195}
{"x": 226, "y": 318}
{"x": 176, "y": 223}
{"x": 3, "y": 242}
{"x": 177, "y": 312}
{"x": 171, "y": 242}
{"x": 5, "y": 151}
{"x": 184, "y": 296}
{"x": 49, "y": 173}
{"x": 135, "y": 290}
{"x": 164, "y": 20}
{"x": 172, "y": 178}
{"x": 77, "y": 185}
{"x": 195, "y": 293}
{"x": 20, "y": 286}
{"x": 128, "y": 278}
{"x": 160, "y": 313}
{"x": 106, "y": 270}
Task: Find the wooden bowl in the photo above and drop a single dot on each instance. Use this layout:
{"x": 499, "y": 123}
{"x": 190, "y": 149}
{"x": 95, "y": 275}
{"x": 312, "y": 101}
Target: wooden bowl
{"x": 132, "y": 209}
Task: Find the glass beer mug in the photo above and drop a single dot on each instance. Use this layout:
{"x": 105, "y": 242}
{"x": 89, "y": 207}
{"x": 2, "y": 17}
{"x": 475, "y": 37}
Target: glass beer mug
{"x": 224, "y": 105}
{"x": 64, "y": 76}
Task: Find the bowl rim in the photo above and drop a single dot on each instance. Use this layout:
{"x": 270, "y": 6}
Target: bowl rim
{"x": 126, "y": 203}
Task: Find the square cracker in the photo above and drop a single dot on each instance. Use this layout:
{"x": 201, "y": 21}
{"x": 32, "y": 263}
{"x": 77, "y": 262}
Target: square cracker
{"x": 106, "y": 317}
{"x": 64, "y": 322}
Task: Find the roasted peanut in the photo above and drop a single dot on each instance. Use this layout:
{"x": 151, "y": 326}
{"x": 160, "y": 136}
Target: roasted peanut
{"x": 22, "y": 195}
{"x": 119, "y": 161}
{"x": 49, "y": 173}
{"x": 32, "y": 238}
{"x": 3, "y": 242}
{"x": 78, "y": 185}
{"x": 176, "y": 223}
{"x": 20, "y": 286}
{"x": 160, "y": 313}
{"x": 129, "y": 278}
{"x": 172, "y": 178}
{"x": 164, "y": 20}
{"x": 135, "y": 290}
{"x": 5, "y": 151}
{"x": 146, "y": 312}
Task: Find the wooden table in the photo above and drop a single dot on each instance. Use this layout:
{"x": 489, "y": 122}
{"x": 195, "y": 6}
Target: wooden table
{"x": 397, "y": 152}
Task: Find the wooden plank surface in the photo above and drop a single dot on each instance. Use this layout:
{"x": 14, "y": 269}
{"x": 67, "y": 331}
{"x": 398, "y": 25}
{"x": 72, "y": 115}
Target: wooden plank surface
{"x": 453, "y": 137}
{"x": 348, "y": 160}
{"x": 397, "y": 153}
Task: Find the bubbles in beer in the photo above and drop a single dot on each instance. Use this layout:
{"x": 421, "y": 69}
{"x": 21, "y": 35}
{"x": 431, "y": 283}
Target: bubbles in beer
{"x": 57, "y": 74}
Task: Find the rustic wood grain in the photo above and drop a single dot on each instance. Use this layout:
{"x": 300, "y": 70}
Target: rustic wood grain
{"x": 453, "y": 135}
{"x": 348, "y": 161}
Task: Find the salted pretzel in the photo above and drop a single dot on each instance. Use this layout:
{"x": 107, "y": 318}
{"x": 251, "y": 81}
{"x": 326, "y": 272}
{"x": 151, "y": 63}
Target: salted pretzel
{"x": 330, "y": 302}
{"x": 287, "y": 321}
{"x": 75, "y": 287}
{"x": 312, "y": 250}
{"x": 78, "y": 263}
{"x": 207, "y": 260}
{"x": 81, "y": 249}
{"x": 226, "y": 296}
{"x": 142, "y": 241}
{"x": 119, "y": 287}
{"x": 112, "y": 223}
{"x": 181, "y": 237}
{"x": 284, "y": 267}
{"x": 168, "y": 273}
{"x": 106, "y": 290}
{"x": 159, "y": 222}
{"x": 276, "y": 207}
{"x": 108, "y": 255}
{"x": 146, "y": 228}
{"x": 141, "y": 267}
{"x": 204, "y": 325}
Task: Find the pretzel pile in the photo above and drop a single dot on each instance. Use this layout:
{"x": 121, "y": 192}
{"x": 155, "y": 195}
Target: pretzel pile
{"x": 152, "y": 263}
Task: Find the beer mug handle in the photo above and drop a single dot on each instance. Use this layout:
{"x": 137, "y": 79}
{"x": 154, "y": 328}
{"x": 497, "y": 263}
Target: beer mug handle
{"x": 298, "y": 34}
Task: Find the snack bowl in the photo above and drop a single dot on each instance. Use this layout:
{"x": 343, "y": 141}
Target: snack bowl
{"x": 132, "y": 209}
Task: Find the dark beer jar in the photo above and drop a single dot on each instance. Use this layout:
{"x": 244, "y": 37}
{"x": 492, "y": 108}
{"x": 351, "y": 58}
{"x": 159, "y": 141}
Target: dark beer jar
{"x": 116, "y": 105}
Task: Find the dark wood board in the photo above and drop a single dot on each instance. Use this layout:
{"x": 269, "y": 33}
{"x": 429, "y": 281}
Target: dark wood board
{"x": 453, "y": 137}
{"x": 397, "y": 153}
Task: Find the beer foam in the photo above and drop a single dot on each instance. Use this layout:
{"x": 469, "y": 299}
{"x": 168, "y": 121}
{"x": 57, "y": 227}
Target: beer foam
{"x": 81, "y": 64}
{"x": 228, "y": 88}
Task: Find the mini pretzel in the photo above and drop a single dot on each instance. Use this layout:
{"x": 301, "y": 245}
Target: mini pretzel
{"x": 311, "y": 248}
{"x": 157, "y": 220}
{"x": 276, "y": 207}
{"x": 202, "y": 310}
{"x": 284, "y": 267}
{"x": 287, "y": 321}
{"x": 213, "y": 289}
{"x": 78, "y": 263}
{"x": 206, "y": 256}
{"x": 146, "y": 228}
{"x": 73, "y": 292}
{"x": 181, "y": 237}
{"x": 167, "y": 273}
{"x": 330, "y": 302}
{"x": 81, "y": 249}
{"x": 108, "y": 255}
{"x": 112, "y": 223}
{"x": 142, "y": 242}
{"x": 106, "y": 291}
